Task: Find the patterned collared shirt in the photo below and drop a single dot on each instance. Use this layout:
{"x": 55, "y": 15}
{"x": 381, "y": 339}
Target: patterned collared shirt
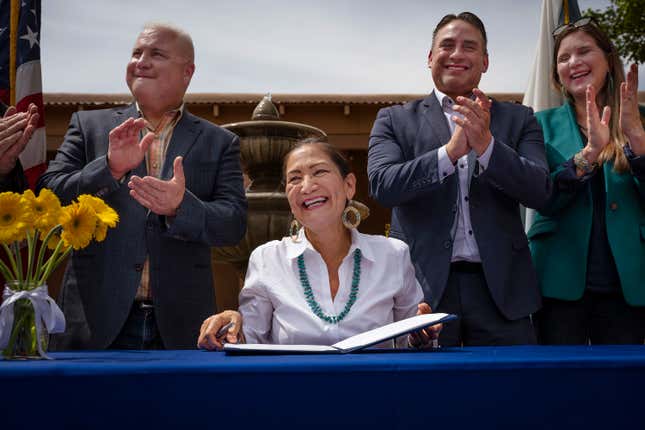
{"x": 155, "y": 158}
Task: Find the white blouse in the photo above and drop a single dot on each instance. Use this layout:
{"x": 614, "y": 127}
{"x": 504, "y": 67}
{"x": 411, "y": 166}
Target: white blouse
{"x": 273, "y": 304}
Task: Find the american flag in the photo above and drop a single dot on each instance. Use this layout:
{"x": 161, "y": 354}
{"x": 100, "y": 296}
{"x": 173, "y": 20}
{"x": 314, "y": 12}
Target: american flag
{"x": 20, "y": 77}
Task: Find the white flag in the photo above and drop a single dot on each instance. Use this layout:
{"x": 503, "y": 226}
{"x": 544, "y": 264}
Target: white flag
{"x": 540, "y": 93}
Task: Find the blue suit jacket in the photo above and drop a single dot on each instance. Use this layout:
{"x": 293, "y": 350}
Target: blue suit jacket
{"x": 403, "y": 174}
{"x": 101, "y": 280}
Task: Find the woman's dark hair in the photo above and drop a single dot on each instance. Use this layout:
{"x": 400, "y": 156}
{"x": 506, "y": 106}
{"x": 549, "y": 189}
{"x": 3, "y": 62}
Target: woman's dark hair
{"x": 334, "y": 155}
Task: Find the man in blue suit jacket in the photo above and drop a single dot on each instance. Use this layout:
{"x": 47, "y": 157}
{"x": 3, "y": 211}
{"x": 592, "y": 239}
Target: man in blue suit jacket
{"x": 175, "y": 181}
{"x": 454, "y": 167}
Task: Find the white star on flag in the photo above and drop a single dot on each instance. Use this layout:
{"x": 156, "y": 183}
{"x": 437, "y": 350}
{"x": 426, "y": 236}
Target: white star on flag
{"x": 31, "y": 37}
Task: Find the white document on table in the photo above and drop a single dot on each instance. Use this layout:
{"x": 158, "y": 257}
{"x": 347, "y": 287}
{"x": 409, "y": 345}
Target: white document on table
{"x": 353, "y": 343}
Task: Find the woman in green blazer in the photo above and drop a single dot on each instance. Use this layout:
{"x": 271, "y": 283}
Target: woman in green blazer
{"x": 588, "y": 242}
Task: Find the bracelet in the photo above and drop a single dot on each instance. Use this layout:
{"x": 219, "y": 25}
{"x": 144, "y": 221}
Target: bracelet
{"x": 583, "y": 164}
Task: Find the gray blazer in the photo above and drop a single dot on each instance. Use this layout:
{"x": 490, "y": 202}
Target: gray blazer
{"x": 101, "y": 280}
{"x": 403, "y": 174}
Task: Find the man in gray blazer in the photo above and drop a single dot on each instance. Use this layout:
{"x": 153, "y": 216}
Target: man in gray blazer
{"x": 454, "y": 168}
{"x": 175, "y": 181}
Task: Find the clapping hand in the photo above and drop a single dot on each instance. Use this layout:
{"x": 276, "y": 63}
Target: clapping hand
{"x": 629, "y": 119}
{"x": 15, "y": 131}
{"x": 457, "y": 146}
{"x": 475, "y": 121}
{"x": 426, "y": 338}
{"x": 126, "y": 151}
{"x": 161, "y": 197}
{"x": 597, "y": 127}
{"x": 208, "y": 338}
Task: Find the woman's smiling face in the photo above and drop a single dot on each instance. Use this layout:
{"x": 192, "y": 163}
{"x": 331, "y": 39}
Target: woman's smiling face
{"x": 316, "y": 191}
{"x": 581, "y": 62}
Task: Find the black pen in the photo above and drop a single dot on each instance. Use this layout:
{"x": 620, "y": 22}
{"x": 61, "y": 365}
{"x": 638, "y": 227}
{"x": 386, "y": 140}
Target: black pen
{"x": 222, "y": 331}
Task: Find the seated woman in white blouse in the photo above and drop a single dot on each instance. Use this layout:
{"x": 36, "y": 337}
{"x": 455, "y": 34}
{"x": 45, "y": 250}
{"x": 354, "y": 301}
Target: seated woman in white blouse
{"x": 328, "y": 281}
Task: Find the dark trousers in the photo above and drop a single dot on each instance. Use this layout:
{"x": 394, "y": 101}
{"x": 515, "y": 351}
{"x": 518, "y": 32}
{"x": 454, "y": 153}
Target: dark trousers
{"x": 597, "y": 318}
{"x": 480, "y": 322}
{"x": 140, "y": 329}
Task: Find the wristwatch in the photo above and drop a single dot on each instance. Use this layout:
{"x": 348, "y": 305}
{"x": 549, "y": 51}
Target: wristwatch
{"x": 583, "y": 164}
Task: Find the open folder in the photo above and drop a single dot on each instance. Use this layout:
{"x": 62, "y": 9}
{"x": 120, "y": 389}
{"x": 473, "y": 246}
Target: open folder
{"x": 353, "y": 343}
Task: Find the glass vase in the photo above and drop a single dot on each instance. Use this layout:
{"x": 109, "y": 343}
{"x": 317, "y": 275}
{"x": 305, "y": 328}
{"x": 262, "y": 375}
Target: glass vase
{"x": 23, "y": 340}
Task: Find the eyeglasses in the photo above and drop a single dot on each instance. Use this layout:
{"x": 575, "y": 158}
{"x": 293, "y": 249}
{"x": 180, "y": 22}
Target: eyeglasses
{"x": 576, "y": 24}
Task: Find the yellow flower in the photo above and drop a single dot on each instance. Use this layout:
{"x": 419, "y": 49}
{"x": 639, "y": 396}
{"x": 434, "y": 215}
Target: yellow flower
{"x": 14, "y": 218}
{"x": 101, "y": 231}
{"x": 55, "y": 237}
{"x": 79, "y": 228}
{"x": 46, "y": 209}
{"x": 106, "y": 214}
{"x": 107, "y": 217}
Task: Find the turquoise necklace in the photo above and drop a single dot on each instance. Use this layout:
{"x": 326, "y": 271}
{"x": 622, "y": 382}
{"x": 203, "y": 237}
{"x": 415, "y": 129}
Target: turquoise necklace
{"x": 309, "y": 294}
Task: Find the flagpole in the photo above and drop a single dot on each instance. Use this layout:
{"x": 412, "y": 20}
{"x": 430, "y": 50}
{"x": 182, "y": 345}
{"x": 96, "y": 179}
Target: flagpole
{"x": 13, "y": 43}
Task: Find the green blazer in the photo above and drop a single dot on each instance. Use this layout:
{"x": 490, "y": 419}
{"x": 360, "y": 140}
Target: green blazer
{"x": 559, "y": 237}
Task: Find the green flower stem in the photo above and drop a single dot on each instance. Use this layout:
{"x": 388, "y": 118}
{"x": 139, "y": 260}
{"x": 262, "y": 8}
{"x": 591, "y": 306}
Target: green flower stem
{"x": 33, "y": 338}
{"x": 31, "y": 241}
{"x": 6, "y": 272}
{"x": 16, "y": 250}
{"x": 53, "y": 263}
{"x": 52, "y": 258}
{"x": 58, "y": 261}
{"x": 21, "y": 319}
{"x": 41, "y": 254}
{"x": 12, "y": 261}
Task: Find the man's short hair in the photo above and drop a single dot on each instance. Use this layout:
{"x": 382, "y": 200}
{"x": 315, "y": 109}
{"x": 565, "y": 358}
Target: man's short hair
{"x": 468, "y": 17}
{"x": 184, "y": 39}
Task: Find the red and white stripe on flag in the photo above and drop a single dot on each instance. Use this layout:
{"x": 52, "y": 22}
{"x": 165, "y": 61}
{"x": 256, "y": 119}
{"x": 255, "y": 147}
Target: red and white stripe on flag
{"x": 21, "y": 83}
{"x": 29, "y": 90}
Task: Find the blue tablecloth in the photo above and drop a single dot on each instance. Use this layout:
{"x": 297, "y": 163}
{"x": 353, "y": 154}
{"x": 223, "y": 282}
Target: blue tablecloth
{"x": 486, "y": 387}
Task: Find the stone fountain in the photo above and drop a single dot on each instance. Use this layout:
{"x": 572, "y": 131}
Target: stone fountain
{"x": 264, "y": 141}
